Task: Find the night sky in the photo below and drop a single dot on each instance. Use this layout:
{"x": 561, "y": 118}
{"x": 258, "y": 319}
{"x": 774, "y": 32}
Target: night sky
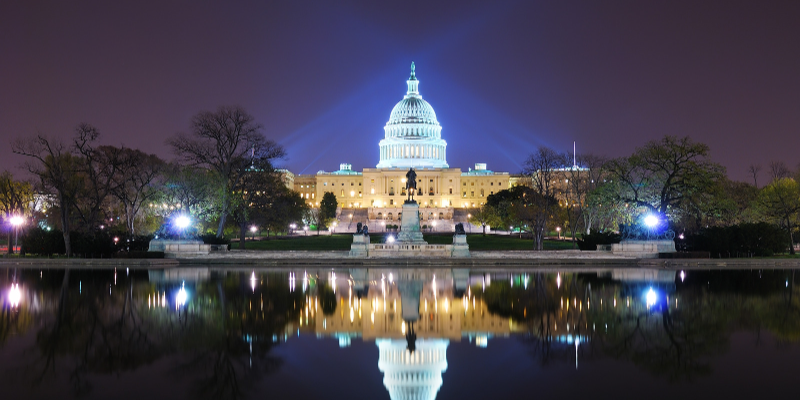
{"x": 322, "y": 77}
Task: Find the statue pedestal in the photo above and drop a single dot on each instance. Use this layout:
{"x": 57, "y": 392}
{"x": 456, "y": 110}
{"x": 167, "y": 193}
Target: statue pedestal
{"x": 460, "y": 246}
{"x": 409, "y": 232}
{"x": 359, "y": 247}
{"x": 643, "y": 248}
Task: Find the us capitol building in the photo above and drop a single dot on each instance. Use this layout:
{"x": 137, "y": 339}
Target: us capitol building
{"x": 412, "y": 138}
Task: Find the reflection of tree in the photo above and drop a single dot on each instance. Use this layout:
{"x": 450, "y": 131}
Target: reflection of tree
{"x": 676, "y": 341}
{"x": 224, "y": 334}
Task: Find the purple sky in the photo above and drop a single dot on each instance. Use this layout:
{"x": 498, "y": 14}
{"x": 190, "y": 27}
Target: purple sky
{"x": 322, "y": 77}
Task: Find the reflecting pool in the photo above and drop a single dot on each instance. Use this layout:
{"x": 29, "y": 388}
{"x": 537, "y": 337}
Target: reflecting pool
{"x": 188, "y": 333}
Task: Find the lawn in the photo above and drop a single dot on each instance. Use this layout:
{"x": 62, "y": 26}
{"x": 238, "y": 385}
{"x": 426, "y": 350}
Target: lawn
{"x": 342, "y": 242}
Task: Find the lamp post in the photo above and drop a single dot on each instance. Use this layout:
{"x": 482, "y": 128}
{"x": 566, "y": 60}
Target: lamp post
{"x": 558, "y": 229}
{"x": 16, "y": 221}
{"x": 292, "y": 227}
{"x": 253, "y": 229}
{"x": 182, "y": 222}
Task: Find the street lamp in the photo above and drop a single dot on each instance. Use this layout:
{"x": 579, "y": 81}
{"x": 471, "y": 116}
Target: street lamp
{"x": 182, "y": 222}
{"x": 292, "y": 227}
{"x": 305, "y": 228}
{"x": 253, "y": 229}
{"x": 16, "y": 221}
{"x": 558, "y": 229}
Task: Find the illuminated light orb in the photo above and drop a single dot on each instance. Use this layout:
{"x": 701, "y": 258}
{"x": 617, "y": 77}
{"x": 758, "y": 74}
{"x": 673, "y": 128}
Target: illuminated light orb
{"x": 16, "y": 220}
{"x": 390, "y": 239}
{"x": 651, "y": 297}
{"x": 650, "y": 220}
{"x": 182, "y": 222}
{"x": 14, "y": 295}
{"x": 253, "y": 229}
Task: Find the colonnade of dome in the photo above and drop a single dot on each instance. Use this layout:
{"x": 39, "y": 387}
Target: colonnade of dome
{"x": 413, "y": 136}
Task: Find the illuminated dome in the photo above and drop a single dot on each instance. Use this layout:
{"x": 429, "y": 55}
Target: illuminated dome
{"x": 413, "y": 136}
{"x": 412, "y": 376}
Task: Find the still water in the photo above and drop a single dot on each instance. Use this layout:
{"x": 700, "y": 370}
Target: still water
{"x": 335, "y": 333}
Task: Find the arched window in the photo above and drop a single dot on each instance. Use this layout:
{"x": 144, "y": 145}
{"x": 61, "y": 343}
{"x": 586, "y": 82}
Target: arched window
{"x": 441, "y": 216}
{"x": 380, "y": 215}
{"x": 389, "y": 216}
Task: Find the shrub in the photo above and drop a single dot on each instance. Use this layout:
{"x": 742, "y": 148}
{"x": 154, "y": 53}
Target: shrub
{"x": 591, "y": 240}
{"x": 743, "y": 240}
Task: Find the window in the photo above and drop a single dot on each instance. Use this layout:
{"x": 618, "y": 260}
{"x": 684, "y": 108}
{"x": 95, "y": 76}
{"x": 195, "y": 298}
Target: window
{"x": 342, "y": 183}
{"x": 389, "y": 216}
{"x": 472, "y": 194}
{"x": 359, "y": 193}
{"x": 472, "y": 183}
{"x": 464, "y": 184}
{"x": 312, "y": 195}
{"x": 451, "y": 190}
{"x": 431, "y": 180}
{"x": 391, "y": 191}
{"x": 352, "y": 184}
{"x": 481, "y": 192}
{"x": 359, "y": 183}
{"x": 465, "y": 194}
{"x": 491, "y": 184}
{"x": 342, "y": 192}
{"x": 324, "y": 183}
{"x": 380, "y": 215}
{"x": 441, "y": 216}
{"x": 372, "y": 181}
{"x": 391, "y": 202}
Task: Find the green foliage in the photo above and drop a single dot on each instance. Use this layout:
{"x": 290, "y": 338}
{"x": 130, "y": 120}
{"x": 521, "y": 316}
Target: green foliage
{"x": 211, "y": 238}
{"x": 761, "y": 239}
{"x": 327, "y": 208}
{"x": 780, "y": 203}
{"x": 42, "y": 242}
{"x": 665, "y": 176}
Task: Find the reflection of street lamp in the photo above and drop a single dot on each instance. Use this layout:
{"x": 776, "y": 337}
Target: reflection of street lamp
{"x": 558, "y": 229}
{"x": 16, "y": 221}
{"x": 14, "y": 295}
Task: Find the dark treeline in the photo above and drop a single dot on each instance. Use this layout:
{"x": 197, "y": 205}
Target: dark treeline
{"x": 224, "y": 178}
{"x": 672, "y": 178}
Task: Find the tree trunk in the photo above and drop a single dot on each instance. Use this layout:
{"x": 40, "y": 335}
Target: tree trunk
{"x": 242, "y": 234}
{"x": 484, "y": 229}
{"x": 222, "y": 216}
{"x": 791, "y": 238}
{"x": 65, "y": 225}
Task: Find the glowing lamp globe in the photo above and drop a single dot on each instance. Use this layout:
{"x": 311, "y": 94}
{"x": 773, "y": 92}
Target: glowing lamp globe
{"x": 182, "y": 222}
{"x": 17, "y": 220}
{"x": 390, "y": 239}
{"x": 650, "y": 220}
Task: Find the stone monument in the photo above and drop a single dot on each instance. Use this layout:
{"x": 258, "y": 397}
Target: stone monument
{"x": 409, "y": 242}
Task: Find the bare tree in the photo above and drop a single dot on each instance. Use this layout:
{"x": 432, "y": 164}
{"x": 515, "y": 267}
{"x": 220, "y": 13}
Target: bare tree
{"x": 753, "y": 170}
{"x": 57, "y": 171}
{"x": 218, "y": 140}
{"x": 779, "y": 170}
{"x": 542, "y": 167}
{"x": 100, "y": 168}
{"x": 135, "y": 184}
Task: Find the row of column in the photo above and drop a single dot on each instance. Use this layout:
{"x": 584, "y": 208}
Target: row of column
{"x": 413, "y": 151}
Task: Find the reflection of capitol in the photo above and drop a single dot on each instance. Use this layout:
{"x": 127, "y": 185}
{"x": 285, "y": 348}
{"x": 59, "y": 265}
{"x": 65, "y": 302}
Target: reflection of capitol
{"x": 386, "y": 304}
